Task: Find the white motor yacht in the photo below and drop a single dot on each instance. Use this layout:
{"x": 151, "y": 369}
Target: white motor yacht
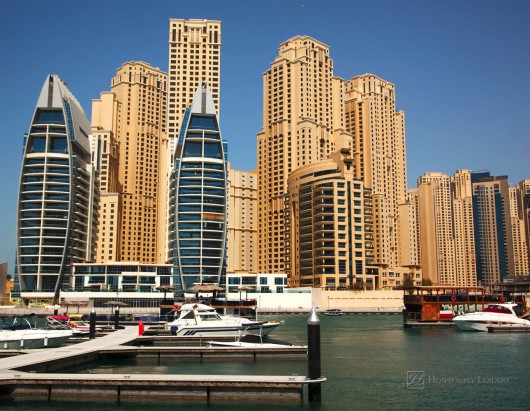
{"x": 492, "y": 315}
{"x": 195, "y": 323}
{"x": 201, "y": 320}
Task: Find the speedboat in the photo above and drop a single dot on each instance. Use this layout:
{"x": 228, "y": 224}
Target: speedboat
{"x": 244, "y": 344}
{"x": 333, "y": 312}
{"x": 201, "y": 320}
{"x": 501, "y": 314}
{"x": 65, "y": 322}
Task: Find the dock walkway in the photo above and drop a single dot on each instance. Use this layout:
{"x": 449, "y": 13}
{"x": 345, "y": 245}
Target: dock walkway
{"x": 34, "y": 372}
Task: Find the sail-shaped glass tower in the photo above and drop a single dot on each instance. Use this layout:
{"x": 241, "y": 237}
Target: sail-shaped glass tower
{"x": 55, "y": 224}
{"x": 198, "y": 198}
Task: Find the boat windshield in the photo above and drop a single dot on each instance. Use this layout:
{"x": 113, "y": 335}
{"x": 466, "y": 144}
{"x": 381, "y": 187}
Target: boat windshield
{"x": 210, "y": 317}
{"x": 188, "y": 316}
{"x": 496, "y": 309}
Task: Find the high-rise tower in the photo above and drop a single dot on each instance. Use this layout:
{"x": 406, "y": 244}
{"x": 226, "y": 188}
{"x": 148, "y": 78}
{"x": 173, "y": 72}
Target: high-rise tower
{"x": 297, "y": 130}
{"x": 378, "y": 144}
{"x": 194, "y": 58}
{"x": 464, "y": 234}
{"x": 56, "y": 211}
{"x": 524, "y": 206}
{"x": 436, "y": 228}
{"x": 520, "y": 246}
{"x": 198, "y": 198}
{"x": 135, "y": 117}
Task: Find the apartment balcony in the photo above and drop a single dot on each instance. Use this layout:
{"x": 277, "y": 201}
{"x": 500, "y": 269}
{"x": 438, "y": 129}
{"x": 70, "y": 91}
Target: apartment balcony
{"x": 323, "y": 227}
{"x": 82, "y": 187}
{"x": 81, "y": 222}
{"x": 319, "y": 245}
{"x": 319, "y": 218}
{"x": 323, "y": 201}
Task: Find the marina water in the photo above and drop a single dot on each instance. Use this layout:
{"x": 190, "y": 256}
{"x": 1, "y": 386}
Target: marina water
{"x": 370, "y": 362}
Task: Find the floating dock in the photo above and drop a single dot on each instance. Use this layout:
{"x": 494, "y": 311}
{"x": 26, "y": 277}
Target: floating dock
{"x": 508, "y": 329}
{"x": 35, "y": 372}
{"x": 206, "y": 387}
{"x": 429, "y": 324}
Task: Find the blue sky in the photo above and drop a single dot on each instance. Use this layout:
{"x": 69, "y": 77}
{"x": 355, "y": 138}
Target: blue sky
{"x": 461, "y": 70}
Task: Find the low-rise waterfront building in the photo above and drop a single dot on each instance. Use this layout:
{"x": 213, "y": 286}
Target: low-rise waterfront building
{"x": 120, "y": 276}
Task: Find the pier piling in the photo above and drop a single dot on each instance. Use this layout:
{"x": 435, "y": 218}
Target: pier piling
{"x": 313, "y": 356}
{"x": 117, "y": 317}
{"x": 92, "y": 324}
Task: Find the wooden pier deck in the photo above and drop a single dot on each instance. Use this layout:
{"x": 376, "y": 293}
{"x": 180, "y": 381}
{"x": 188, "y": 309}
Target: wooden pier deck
{"x": 35, "y": 372}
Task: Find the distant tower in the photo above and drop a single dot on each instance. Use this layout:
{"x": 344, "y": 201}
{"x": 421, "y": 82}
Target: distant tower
{"x": 466, "y": 266}
{"x": 378, "y": 140}
{"x": 436, "y": 228}
{"x": 243, "y": 247}
{"x": 57, "y": 194}
{"x": 524, "y": 199}
{"x": 493, "y": 231}
{"x": 198, "y": 197}
{"x": 520, "y": 246}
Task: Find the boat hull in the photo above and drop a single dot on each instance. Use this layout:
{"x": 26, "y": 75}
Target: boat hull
{"x": 208, "y": 332}
{"x": 471, "y": 325}
{"x": 32, "y": 339}
{"x": 481, "y": 324}
{"x": 263, "y": 329}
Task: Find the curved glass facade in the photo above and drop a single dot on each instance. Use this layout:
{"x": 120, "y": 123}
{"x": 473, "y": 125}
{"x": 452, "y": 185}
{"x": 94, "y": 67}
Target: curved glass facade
{"x": 199, "y": 214}
{"x": 55, "y": 210}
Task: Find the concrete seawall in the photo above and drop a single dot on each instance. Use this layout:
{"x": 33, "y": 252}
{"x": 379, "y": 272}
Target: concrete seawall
{"x": 291, "y": 301}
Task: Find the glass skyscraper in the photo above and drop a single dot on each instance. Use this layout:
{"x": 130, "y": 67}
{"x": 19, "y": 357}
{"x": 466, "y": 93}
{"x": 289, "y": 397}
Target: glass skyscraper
{"x": 198, "y": 197}
{"x": 56, "y": 195}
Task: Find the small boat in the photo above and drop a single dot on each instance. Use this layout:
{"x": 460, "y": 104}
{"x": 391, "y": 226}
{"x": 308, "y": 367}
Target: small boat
{"x": 335, "y": 312}
{"x": 33, "y": 338}
{"x": 201, "y": 320}
{"x": 492, "y": 315}
{"x": 73, "y": 322}
{"x": 244, "y": 344}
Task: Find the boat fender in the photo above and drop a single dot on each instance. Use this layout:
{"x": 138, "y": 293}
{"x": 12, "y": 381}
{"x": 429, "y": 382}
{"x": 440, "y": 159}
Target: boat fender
{"x": 501, "y": 298}
{"x": 176, "y": 307}
{"x": 453, "y": 298}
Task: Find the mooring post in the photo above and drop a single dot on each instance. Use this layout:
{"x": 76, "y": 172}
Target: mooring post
{"x": 92, "y": 329}
{"x": 117, "y": 317}
{"x": 313, "y": 355}
{"x": 56, "y": 310}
